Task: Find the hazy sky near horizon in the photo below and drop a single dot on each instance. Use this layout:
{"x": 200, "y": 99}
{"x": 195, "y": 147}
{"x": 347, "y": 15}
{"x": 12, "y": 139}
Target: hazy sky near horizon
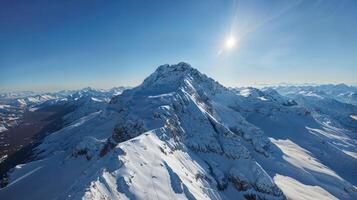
{"x": 53, "y": 45}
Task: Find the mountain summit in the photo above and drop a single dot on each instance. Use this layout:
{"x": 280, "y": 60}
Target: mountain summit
{"x": 167, "y": 78}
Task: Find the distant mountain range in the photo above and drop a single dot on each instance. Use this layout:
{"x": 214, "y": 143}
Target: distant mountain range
{"x": 14, "y": 104}
{"x": 183, "y": 135}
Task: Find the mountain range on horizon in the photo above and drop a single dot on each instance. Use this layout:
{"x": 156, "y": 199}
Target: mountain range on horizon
{"x": 317, "y": 86}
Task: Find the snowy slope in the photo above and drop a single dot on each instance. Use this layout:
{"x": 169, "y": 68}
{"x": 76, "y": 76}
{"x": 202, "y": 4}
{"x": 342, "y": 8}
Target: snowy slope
{"x": 88, "y": 100}
{"x": 182, "y": 135}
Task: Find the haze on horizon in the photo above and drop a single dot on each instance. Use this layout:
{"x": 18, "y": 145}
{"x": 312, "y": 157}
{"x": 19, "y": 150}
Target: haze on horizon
{"x": 73, "y": 44}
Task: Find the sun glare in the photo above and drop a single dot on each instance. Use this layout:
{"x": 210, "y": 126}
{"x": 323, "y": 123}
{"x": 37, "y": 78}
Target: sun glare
{"x": 230, "y": 42}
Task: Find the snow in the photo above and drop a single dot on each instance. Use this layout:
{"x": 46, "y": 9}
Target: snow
{"x": 95, "y": 99}
{"x": 263, "y": 98}
{"x": 162, "y": 95}
{"x": 2, "y": 128}
{"x": 4, "y": 106}
{"x": 301, "y": 158}
{"x": 245, "y": 92}
{"x": 351, "y": 153}
{"x": 60, "y": 160}
{"x": 2, "y": 158}
{"x": 98, "y": 125}
{"x": 21, "y": 101}
{"x": 293, "y": 189}
{"x": 24, "y": 176}
{"x": 140, "y": 167}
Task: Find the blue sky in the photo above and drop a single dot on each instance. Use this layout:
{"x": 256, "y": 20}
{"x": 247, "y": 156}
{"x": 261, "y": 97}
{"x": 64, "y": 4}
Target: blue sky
{"x": 53, "y": 45}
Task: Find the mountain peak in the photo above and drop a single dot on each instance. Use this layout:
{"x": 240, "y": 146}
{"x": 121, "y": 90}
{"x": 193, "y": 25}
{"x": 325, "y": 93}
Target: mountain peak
{"x": 174, "y": 71}
{"x": 181, "y": 67}
{"x": 167, "y": 78}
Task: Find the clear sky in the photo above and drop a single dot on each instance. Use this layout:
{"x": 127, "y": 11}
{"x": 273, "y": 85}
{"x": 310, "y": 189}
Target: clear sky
{"x": 52, "y": 45}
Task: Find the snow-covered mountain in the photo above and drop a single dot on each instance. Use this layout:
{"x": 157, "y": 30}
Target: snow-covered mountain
{"x": 330, "y": 104}
{"x": 182, "y": 135}
{"x": 13, "y": 105}
{"x": 26, "y": 119}
{"x": 89, "y": 100}
{"x": 340, "y": 92}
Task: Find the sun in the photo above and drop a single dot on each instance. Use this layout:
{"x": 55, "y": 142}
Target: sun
{"x": 230, "y": 42}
